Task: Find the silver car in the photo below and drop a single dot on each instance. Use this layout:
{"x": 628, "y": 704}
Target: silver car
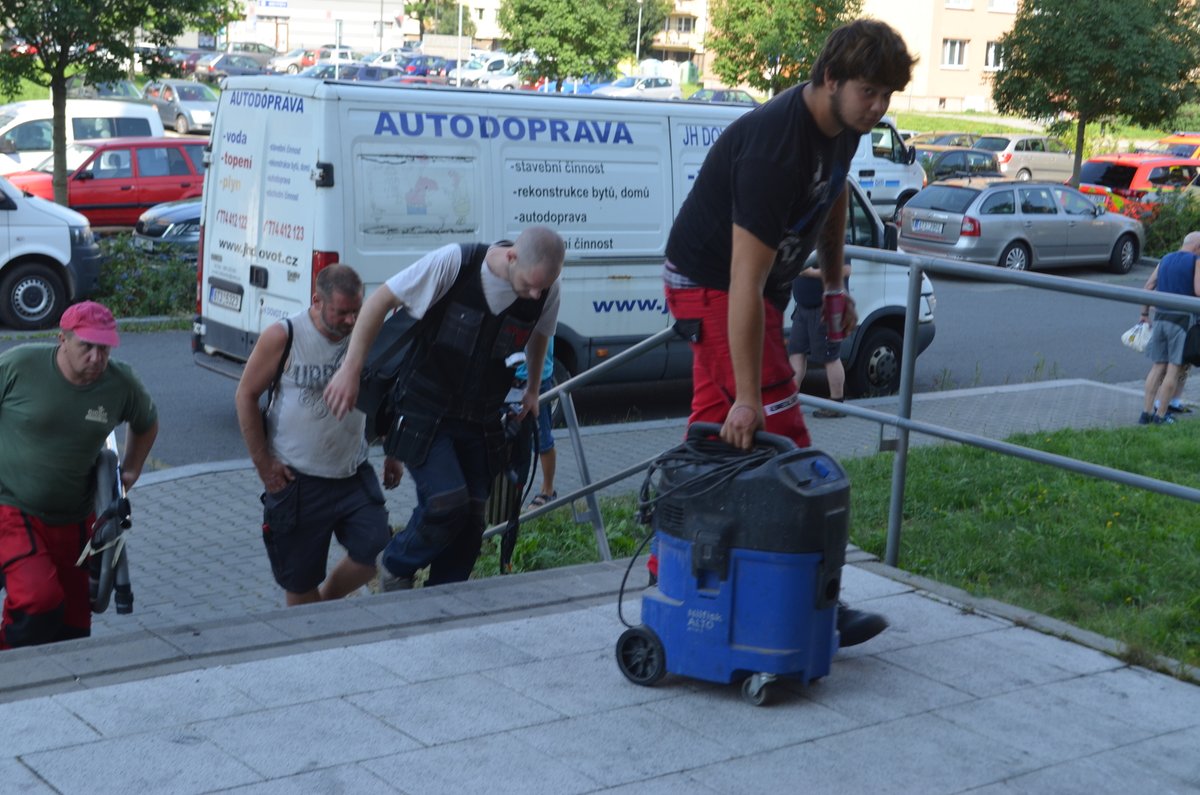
{"x": 1018, "y": 225}
{"x": 1029, "y": 156}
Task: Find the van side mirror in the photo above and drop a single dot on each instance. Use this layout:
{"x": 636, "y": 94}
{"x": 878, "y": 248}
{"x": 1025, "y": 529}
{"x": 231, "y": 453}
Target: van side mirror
{"x": 7, "y": 147}
{"x": 891, "y": 236}
{"x": 910, "y": 156}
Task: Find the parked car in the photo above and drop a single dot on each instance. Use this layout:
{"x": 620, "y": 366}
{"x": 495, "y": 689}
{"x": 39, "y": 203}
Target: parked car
{"x": 112, "y": 181}
{"x": 289, "y": 62}
{"x": 182, "y": 104}
{"x": 394, "y": 57}
{"x": 1018, "y": 225}
{"x": 959, "y": 163}
{"x": 510, "y": 79}
{"x": 1030, "y": 156}
{"x": 217, "y": 66}
{"x": 641, "y": 88}
{"x": 170, "y": 227}
{"x": 1134, "y": 183}
{"x": 255, "y": 51}
{"x": 578, "y": 85}
{"x": 1181, "y": 144}
{"x": 425, "y": 65}
{"x": 371, "y": 73}
{"x": 332, "y": 70}
{"x": 187, "y": 64}
{"x": 332, "y": 53}
{"x": 942, "y": 139}
{"x": 733, "y": 95}
{"x": 415, "y": 80}
{"x": 478, "y": 70}
{"x": 79, "y": 88}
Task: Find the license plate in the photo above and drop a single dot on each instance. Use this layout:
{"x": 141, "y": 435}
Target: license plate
{"x": 926, "y": 226}
{"x": 225, "y": 299}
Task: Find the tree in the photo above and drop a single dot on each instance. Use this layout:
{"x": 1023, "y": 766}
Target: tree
{"x": 96, "y": 39}
{"x": 568, "y": 38}
{"x": 654, "y": 15}
{"x": 439, "y": 16}
{"x": 771, "y": 44}
{"x": 1135, "y": 61}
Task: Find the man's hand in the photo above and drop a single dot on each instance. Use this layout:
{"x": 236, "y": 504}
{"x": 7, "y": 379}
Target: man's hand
{"x": 341, "y": 393}
{"x": 393, "y": 470}
{"x": 275, "y": 475}
{"x": 849, "y": 315}
{"x": 529, "y": 401}
{"x": 741, "y": 423}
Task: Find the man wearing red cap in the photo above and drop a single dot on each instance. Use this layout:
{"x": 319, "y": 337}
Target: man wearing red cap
{"x": 58, "y": 404}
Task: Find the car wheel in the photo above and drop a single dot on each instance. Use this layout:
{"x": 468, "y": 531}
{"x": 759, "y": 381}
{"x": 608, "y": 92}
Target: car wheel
{"x": 32, "y": 296}
{"x": 508, "y": 88}
{"x": 876, "y": 369}
{"x": 181, "y": 125}
{"x": 1024, "y": 175}
{"x": 1124, "y": 254}
{"x": 293, "y": 69}
{"x": 1015, "y": 257}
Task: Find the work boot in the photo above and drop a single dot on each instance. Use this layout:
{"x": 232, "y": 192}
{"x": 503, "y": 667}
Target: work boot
{"x": 858, "y": 626}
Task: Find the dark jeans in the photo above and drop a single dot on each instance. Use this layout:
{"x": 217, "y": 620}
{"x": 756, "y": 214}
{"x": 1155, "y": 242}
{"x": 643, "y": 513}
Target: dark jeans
{"x": 445, "y": 530}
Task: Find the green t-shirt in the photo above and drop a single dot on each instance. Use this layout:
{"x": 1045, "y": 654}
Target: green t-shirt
{"x": 52, "y": 430}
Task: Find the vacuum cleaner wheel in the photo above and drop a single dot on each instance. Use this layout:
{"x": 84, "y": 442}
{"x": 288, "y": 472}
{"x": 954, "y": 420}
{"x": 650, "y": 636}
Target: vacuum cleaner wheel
{"x": 641, "y": 656}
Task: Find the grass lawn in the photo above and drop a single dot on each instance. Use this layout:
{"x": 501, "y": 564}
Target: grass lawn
{"x": 1115, "y": 560}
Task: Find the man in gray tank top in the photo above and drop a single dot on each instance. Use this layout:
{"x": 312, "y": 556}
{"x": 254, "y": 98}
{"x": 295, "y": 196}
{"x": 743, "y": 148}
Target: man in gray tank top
{"x": 313, "y": 465}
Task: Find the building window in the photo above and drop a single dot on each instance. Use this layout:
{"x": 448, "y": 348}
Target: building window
{"x": 993, "y": 56}
{"x": 954, "y": 52}
{"x": 682, "y": 24}
{"x": 1007, "y": 6}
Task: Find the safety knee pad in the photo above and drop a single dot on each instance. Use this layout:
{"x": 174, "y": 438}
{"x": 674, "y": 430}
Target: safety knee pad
{"x": 34, "y": 629}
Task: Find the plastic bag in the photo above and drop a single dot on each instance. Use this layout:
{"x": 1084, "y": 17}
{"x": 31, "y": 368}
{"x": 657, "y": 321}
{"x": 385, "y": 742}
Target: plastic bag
{"x": 1137, "y": 337}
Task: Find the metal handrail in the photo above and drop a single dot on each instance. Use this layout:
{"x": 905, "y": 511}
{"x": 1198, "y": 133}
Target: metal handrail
{"x": 902, "y": 420}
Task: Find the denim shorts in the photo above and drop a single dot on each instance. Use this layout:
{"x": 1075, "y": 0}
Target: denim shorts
{"x": 300, "y": 520}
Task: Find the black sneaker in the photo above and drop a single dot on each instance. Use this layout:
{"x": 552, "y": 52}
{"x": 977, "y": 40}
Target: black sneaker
{"x": 1181, "y": 409}
{"x": 858, "y": 626}
{"x": 1146, "y": 418}
{"x": 1167, "y": 420}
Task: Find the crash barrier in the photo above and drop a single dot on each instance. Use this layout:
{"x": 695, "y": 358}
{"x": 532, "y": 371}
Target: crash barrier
{"x": 902, "y": 420}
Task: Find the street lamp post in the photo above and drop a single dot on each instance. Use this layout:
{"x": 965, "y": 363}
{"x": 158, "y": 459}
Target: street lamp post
{"x": 637, "y": 47}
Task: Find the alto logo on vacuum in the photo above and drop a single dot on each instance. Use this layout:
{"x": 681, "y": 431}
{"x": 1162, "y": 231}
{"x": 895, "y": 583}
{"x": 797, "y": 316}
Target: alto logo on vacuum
{"x": 703, "y": 620}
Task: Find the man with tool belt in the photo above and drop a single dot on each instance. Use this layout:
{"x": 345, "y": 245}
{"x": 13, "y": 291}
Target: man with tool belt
{"x": 58, "y": 404}
{"x": 772, "y": 188}
{"x": 475, "y": 306}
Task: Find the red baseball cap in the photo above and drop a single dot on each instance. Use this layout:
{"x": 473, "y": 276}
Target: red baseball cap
{"x": 91, "y": 322}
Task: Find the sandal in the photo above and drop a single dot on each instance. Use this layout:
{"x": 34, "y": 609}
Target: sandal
{"x": 542, "y": 499}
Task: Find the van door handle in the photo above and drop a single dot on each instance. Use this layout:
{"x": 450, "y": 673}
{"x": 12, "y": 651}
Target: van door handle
{"x": 867, "y": 172}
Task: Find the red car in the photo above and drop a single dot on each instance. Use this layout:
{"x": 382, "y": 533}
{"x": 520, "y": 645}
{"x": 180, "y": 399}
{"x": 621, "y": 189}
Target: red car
{"x": 1132, "y": 183}
{"x": 112, "y": 181}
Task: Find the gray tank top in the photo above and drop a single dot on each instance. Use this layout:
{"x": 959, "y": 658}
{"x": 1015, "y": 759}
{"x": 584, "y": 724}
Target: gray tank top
{"x": 303, "y": 433}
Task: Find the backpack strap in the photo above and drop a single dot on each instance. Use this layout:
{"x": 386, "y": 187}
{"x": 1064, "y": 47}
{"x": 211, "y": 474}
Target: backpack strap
{"x": 287, "y": 350}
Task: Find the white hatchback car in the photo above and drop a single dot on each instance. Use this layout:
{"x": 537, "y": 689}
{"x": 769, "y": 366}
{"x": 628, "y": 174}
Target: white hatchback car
{"x": 641, "y": 88}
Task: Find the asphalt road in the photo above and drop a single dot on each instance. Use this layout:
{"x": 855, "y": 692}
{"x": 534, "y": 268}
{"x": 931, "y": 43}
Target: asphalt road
{"x": 987, "y": 335}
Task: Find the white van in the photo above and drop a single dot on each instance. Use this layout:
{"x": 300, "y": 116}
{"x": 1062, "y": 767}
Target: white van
{"x": 26, "y": 128}
{"x": 48, "y": 258}
{"x": 887, "y": 169}
{"x": 305, "y": 173}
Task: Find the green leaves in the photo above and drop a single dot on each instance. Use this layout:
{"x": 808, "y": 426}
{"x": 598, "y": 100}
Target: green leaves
{"x": 569, "y": 37}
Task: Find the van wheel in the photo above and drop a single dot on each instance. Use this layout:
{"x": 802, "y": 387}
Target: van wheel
{"x": 1124, "y": 254}
{"x": 293, "y": 69}
{"x": 181, "y": 125}
{"x": 1015, "y": 257}
{"x": 31, "y": 297}
{"x": 876, "y": 369}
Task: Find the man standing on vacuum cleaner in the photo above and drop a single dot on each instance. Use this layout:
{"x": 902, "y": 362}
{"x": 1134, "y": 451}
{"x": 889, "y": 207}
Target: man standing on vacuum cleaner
{"x": 58, "y": 404}
{"x": 772, "y": 188}
{"x": 475, "y": 306}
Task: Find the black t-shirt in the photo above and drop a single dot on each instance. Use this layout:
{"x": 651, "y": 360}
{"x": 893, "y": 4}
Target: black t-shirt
{"x": 772, "y": 172}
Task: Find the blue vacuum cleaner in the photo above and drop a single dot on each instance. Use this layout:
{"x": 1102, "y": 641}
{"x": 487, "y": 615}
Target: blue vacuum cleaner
{"x": 750, "y": 550}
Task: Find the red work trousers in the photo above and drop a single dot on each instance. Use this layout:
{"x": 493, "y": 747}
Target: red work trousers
{"x": 45, "y": 593}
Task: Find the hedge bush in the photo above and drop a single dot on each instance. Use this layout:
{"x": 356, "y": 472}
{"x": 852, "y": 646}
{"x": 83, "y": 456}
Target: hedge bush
{"x": 134, "y": 283}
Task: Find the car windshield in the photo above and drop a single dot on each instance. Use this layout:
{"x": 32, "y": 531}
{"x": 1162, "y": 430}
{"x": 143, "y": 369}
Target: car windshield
{"x": 1176, "y": 150}
{"x": 195, "y": 92}
{"x": 992, "y": 143}
{"x": 946, "y": 198}
{"x": 1110, "y": 175}
{"x": 625, "y": 82}
{"x": 76, "y": 155}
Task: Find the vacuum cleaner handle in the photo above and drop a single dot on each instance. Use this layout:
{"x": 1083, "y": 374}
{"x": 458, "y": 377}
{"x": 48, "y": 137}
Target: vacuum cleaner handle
{"x": 698, "y": 431}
